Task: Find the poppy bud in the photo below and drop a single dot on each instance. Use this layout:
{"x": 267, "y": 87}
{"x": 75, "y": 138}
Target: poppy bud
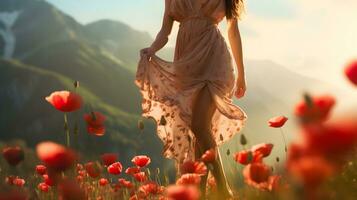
{"x": 228, "y": 152}
{"x": 148, "y": 172}
{"x": 308, "y": 100}
{"x": 243, "y": 140}
{"x": 140, "y": 124}
{"x": 163, "y": 121}
{"x": 76, "y": 84}
{"x": 157, "y": 171}
{"x": 94, "y": 117}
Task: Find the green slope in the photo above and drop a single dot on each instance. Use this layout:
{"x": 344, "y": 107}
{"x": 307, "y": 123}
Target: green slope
{"x": 26, "y": 115}
{"x": 103, "y": 75}
{"x": 119, "y": 39}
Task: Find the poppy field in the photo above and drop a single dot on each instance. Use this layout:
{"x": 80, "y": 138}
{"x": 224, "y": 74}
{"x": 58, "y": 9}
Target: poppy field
{"x": 319, "y": 164}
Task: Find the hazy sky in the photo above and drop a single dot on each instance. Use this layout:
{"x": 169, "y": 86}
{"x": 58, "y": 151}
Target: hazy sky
{"x": 315, "y": 38}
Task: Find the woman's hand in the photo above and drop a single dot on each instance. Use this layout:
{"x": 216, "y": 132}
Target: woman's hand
{"x": 147, "y": 52}
{"x": 240, "y": 87}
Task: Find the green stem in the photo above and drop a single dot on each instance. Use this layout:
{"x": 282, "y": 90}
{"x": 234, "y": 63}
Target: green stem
{"x": 66, "y": 130}
{"x": 286, "y": 148}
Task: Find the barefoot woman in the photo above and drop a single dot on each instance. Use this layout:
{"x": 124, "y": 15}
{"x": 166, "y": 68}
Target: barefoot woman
{"x": 191, "y": 97}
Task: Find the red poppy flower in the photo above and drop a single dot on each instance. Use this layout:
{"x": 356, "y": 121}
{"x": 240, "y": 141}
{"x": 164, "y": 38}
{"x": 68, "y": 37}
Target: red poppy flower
{"x": 311, "y": 170}
{"x": 93, "y": 169}
{"x": 65, "y": 101}
{"x": 179, "y": 192}
{"x": 10, "y": 179}
{"x": 115, "y": 168}
{"x": 103, "y": 182}
{"x": 109, "y": 158}
{"x": 189, "y": 179}
{"x": 277, "y": 122}
{"x": 149, "y": 188}
{"x": 244, "y": 157}
{"x": 140, "y": 177}
{"x": 315, "y": 109}
{"x": 41, "y": 169}
{"x": 209, "y": 156}
{"x": 95, "y": 123}
{"x": 56, "y": 156}
{"x": 13, "y": 155}
{"x": 333, "y": 140}
{"x": 19, "y": 182}
{"x": 256, "y": 173}
{"x": 43, "y": 187}
{"x": 125, "y": 183}
{"x": 351, "y": 72}
{"x": 48, "y": 180}
{"x": 264, "y": 149}
{"x": 132, "y": 170}
{"x": 191, "y": 167}
{"x": 141, "y": 161}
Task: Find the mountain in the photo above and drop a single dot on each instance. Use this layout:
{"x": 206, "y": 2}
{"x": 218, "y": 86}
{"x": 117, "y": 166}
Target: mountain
{"x": 93, "y": 68}
{"x": 119, "y": 39}
{"x": 38, "y": 24}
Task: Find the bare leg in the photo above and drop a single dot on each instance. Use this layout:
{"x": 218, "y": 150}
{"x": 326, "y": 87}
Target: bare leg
{"x": 202, "y": 113}
{"x": 198, "y": 154}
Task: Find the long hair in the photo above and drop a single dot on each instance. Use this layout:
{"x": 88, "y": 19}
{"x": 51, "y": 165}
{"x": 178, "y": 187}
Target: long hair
{"x": 234, "y": 8}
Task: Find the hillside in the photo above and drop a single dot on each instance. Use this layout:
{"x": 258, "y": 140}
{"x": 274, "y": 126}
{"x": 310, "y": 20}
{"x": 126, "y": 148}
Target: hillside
{"x": 100, "y": 72}
{"x": 119, "y": 39}
{"x": 26, "y": 115}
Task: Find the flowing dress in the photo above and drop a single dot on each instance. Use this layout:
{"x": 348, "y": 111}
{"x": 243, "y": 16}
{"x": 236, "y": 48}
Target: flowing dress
{"x": 169, "y": 89}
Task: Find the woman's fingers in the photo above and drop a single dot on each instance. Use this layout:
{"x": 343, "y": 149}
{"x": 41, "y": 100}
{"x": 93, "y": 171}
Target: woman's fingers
{"x": 145, "y": 53}
{"x": 240, "y": 93}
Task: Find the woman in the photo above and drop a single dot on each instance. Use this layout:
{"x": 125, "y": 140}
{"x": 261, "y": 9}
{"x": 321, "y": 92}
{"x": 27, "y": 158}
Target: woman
{"x": 191, "y": 97}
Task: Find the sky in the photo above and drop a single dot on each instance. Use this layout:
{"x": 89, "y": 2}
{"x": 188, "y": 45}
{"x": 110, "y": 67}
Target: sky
{"x": 315, "y": 38}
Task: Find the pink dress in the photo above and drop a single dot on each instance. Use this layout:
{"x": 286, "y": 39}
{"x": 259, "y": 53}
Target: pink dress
{"x": 169, "y": 88}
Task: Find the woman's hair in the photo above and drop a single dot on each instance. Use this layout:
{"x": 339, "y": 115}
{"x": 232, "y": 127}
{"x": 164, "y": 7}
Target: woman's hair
{"x": 234, "y": 8}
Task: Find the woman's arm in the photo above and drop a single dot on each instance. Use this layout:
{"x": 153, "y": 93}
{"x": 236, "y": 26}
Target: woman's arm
{"x": 163, "y": 35}
{"x": 236, "y": 46}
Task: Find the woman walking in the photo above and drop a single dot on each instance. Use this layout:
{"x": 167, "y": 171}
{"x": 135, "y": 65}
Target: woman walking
{"x": 191, "y": 97}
